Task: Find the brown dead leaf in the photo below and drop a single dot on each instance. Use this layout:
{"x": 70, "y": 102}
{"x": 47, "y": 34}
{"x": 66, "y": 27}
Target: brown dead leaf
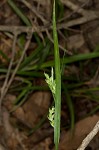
{"x": 77, "y": 44}
{"x": 32, "y": 110}
{"x": 13, "y": 139}
{"x": 75, "y": 41}
{"x": 36, "y": 106}
{"x": 82, "y": 128}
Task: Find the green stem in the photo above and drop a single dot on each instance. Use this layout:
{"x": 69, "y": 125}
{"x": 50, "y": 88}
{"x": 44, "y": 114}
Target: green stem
{"x": 58, "y": 83}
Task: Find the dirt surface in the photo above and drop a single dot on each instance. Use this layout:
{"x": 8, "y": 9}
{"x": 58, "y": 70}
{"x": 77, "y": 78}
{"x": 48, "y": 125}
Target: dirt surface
{"x": 78, "y": 31}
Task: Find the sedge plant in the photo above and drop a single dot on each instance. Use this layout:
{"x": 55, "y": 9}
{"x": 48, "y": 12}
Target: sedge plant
{"x": 55, "y": 86}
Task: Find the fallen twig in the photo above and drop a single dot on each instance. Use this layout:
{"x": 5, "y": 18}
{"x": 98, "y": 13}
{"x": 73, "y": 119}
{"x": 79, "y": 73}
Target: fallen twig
{"x": 8, "y": 74}
{"x": 2, "y": 148}
{"x": 36, "y": 12}
{"x": 89, "y": 137}
{"x": 6, "y": 87}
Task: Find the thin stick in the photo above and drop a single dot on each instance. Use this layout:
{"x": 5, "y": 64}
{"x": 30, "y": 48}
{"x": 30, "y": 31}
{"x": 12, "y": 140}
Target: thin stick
{"x": 13, "y": 74}
{"x": 89, "y": 137}
{"x": 10, "y": 65}
{"x": 8, "y": 74}
{"x": 17, "y": 67}
{"x": 20, "y": 29}
{"x": 36, "y": 12}
{"x": 90, "y": 15}
{"x": 2, "y": 148}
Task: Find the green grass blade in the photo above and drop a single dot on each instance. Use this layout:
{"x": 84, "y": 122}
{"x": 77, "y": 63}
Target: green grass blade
{"x": 68, "y": 60}
{"x": 70, "y": 106}
{"x": 20, "y": 103}
{"x": 44, "y": 54}
{"x": 60, "y": 9}
{"x": 30, "y": 58}
{"x": 22, "y": 17}
{"x": 72, "y": 59}
{"x": 21, "y": 95}
{"x": 19, "y": 13}
{"x": 58, "y": 83}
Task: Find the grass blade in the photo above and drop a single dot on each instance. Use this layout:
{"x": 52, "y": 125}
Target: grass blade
{"x": 72, "y": 59}
{"x": 19, "y": 13}
{"x": 58, "y": 83}
{"x": 70, "y": 106}
{"x": 22, "y": 17}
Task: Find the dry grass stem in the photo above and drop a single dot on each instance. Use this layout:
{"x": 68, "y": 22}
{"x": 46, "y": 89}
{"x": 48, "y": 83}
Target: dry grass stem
{"x": 7, "y": 83}
{"x": 89, "y": 137}
{"x": 3, "y": 91}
